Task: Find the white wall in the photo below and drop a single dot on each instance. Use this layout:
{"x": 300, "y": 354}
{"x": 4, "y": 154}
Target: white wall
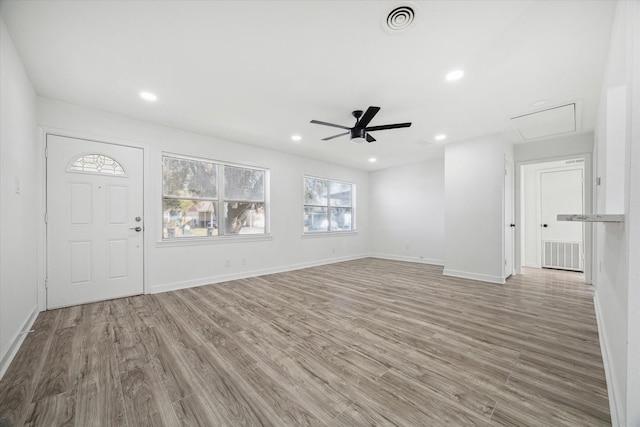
{"x": 172, "y": 265}
{"x": 407, "y": 212}
{"x": 18, "y": 207}
{"x": 617, "y": 272}
{"x": 474, "y": 212}
{"x": 550, "y": 149}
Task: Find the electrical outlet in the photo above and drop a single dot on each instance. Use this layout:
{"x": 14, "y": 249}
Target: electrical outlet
{"x": 243, "y": 261}
{"x": 227, "y": 263}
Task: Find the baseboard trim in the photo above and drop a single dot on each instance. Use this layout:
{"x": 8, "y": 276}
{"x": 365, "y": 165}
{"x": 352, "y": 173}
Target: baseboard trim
{"x": 474, "y": 276}
{"x": 606, "y": 361}
{"x": 17, "y": 341}
{"x": 419, "y": 260}
{"x": 246, "y": 274}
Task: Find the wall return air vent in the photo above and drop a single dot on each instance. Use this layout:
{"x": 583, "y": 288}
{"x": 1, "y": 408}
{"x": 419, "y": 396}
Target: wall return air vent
{"x": 543, "y": 124}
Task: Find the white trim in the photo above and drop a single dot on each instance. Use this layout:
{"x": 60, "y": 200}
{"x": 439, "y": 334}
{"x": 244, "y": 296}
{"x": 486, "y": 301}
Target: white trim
{"x": 418, "y": 260}
{"x": 214, "y": 240}
{"x": 17, "y": 341}
{"x": 41, "y": 228}
{"x": 180, "y": 156}
{"x": 311, "y": 235}
{"x": 608, "y": 368}
{"x": 474, "y": 276}
{"x": 246, "y": 274}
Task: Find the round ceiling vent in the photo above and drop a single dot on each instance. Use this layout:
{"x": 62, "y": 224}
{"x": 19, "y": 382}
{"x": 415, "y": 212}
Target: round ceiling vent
{"x": 400, "y": 18}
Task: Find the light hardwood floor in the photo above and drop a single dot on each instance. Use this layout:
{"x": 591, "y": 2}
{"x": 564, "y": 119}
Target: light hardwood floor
{"x": 365, "y": 342}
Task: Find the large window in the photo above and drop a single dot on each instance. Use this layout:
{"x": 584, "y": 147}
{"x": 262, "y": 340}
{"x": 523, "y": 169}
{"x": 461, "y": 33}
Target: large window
{"x": 202, "y": 198}
{"x": 328, "y": 206}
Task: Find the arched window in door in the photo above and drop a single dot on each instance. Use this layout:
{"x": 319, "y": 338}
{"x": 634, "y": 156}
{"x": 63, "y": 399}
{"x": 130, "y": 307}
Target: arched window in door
{"x": 96, "y": 163}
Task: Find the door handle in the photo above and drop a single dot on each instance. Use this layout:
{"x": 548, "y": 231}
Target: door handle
{"x": 545, "y": 225}
{"x": 138, "y": 229}
{"x": 512, "y": 225}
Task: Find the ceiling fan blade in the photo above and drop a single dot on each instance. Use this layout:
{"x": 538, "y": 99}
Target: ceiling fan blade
{"x": 383, "y": 127}
{"x": 318, "y": 122}
{"x": 335, "y": 136}
{"x": 370, "y": 138}
{"x": 366, "y": 118}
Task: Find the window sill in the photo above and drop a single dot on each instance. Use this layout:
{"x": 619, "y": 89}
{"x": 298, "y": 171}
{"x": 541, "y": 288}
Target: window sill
{"x": 199, "y": 241}
{"x": 329, "y": 234}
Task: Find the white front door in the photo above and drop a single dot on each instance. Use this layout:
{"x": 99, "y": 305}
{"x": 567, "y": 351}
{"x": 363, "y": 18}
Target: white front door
{"x": 561, "y": 192}
{"x": 95, "y": 222}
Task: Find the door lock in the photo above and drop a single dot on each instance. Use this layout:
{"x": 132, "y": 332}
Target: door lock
{"x": 138, "y": 219}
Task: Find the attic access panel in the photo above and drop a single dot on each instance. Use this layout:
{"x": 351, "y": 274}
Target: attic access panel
{"x": 542, "y": 124}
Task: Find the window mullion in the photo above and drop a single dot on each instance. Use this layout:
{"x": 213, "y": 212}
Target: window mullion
{"x": 222, "y": 223}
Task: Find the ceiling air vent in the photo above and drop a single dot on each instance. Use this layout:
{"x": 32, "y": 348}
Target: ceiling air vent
{"x": 546, "y": 123}
{"x": 399, "y": 19}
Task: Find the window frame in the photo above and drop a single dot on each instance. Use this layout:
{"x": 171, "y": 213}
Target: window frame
{"x": 328, "y": 206}
{"x": 219, "y": 202}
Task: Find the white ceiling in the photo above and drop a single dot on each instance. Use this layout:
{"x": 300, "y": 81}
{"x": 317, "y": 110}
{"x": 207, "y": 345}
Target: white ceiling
{"x": 256, "y": 72}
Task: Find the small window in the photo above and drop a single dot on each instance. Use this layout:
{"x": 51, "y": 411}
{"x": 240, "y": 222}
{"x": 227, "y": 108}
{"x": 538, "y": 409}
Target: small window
{"x": 97, "y": 163}
{"x": 328, "y": 206}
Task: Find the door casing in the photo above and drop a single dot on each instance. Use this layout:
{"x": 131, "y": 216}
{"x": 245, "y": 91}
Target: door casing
{"x": 588, "y": 190}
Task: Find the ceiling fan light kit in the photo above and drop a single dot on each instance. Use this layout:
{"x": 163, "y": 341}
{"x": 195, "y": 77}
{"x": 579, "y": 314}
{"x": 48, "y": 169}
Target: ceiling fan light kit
{"x": 360, "y": 132}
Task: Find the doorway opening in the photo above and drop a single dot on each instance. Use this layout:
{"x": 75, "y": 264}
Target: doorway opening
{"x": 547, "y": 189}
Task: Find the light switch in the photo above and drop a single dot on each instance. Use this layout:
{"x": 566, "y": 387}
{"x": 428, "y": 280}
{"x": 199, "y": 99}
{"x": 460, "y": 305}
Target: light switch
{"x": 17, "y": 184}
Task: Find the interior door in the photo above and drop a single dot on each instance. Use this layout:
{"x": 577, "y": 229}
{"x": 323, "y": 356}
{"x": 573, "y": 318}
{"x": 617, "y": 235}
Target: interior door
{"x": 561, "y": 192}
{"x": 95, "y": 221}
{"x": 509, "y": 224}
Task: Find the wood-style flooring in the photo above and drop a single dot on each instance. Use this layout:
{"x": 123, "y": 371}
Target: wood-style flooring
{"x": 364, "y": 342}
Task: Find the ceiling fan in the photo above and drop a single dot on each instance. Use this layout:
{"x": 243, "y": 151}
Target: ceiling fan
{"x": 360, "y": 131}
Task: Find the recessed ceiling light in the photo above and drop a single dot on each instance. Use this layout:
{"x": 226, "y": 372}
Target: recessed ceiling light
{"x": 296, "y": 138}
{"x": 440, "y": 137}
{"x": 454, "y": 75}
{"x": 372, "y": 160}
{"x": 148, "y": 96}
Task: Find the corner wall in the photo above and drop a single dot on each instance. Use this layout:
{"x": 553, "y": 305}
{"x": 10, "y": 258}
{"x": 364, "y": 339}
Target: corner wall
{"x": 18, "y": 201}
{"x": 407, "y": 212}
{"x": 474, "y": 208}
